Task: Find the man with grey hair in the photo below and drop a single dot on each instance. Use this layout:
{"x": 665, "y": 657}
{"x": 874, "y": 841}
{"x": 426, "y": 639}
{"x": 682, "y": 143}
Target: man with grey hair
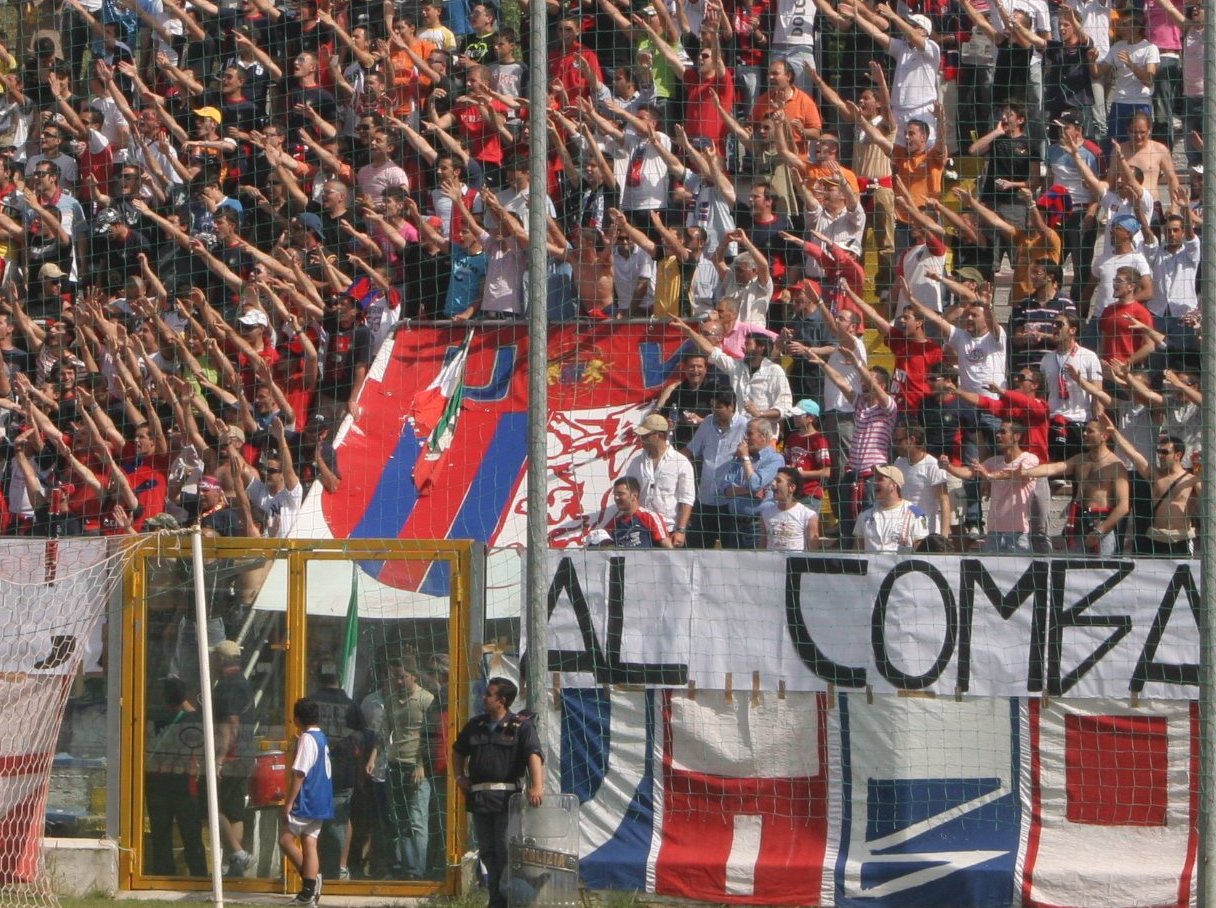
{"x": 747, "y": 278}
{"x": 747, "y": 482}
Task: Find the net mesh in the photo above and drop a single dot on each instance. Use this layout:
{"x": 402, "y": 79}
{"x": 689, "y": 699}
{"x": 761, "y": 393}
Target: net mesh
{"x": 930, "y": 637}
{"x": 54, "y": 594}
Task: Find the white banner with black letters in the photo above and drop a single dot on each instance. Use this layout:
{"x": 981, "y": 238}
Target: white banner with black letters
{"x": 984, "y": 626}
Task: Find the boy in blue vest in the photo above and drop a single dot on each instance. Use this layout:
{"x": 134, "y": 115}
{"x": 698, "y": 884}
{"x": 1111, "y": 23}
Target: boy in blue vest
{"x": 310, "y": 800}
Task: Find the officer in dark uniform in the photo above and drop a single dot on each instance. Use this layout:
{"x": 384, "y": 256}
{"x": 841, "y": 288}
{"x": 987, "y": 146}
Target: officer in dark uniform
{"x": 492, "y": 753}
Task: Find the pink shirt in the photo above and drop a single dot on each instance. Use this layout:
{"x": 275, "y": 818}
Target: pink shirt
{"x": 1009, "y": 505}
{"x": 1161, "y": 29}
{"x": 732, "y": 340}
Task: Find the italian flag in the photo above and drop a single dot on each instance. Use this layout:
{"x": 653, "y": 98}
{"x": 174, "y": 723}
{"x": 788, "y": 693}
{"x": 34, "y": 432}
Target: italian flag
{"x": 434, "y": 413}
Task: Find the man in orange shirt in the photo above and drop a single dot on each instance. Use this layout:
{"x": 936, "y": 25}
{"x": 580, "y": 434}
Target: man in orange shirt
{"x": 918, "y": 164}
{"x": 827, "y": 166}
{"x": 800, "y": 109}
{"x": 411, "y": 75}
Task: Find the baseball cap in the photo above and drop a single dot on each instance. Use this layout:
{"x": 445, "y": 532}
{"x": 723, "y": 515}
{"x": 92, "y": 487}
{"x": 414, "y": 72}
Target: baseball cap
{"x": 1128, "y": 222}
{"x": 922, "y": 22}
{"x": 651, "y": 424}
{"x": 229, "y": 649}
{"x": 1071, "y": 117}
{"x": 895, "y": 474}
{"x": 254, "y": 317}
{"x": 52, "y": 271}
{"x": 310, "y": 222}
{"x": 162, "y": 521}
{"x": 807, "y": 406}
{"x": 211, "y": 113}
{"x": 970, "y": 274}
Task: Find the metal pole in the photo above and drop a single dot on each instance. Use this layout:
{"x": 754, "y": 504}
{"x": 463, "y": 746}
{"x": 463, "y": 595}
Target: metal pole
{"x": 538, "y": 349}
{"x": 1207, "y": 535}
{"x": 204, "y": 672}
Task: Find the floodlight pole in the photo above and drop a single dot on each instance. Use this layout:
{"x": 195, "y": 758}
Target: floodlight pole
{"x": 537, "y": 584}
{"x": 1207, "y": 534}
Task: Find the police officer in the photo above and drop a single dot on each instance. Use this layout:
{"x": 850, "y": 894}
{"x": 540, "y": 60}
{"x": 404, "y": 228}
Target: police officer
{"x": 491, "y": 754}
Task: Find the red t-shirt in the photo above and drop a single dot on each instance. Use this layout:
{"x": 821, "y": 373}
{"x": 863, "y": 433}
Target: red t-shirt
{"x": 484, "y": 142}
{"x": 1030, "y": 411}
{"x": 808, "y": 452}
{"x": 702, "y": 119}
{"x": 914, "y": 360}
{"x": 1117, "y": 338}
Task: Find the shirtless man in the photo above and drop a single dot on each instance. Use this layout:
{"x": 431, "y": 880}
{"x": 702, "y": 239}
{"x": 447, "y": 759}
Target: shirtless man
{"x": 591, "y": 259}
{"x": 1175, "y": 491}
{"x": 1101, "y": 499}
{"x": 1153, "y": 158}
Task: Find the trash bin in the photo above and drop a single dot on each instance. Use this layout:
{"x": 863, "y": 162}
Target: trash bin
{"x": 542, "y": 851}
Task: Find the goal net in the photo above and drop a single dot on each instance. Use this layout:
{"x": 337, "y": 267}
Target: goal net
{"x": 53, "y": 594}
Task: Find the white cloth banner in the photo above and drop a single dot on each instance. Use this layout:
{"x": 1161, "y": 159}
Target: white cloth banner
{"x": 943, "y": 624}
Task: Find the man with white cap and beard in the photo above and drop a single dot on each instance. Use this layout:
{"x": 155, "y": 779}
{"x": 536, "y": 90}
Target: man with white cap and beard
{"x": 892, "y": 524}
{"x": 668, "y": 484}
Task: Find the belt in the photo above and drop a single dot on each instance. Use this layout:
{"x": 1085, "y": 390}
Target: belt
{"x": 494, "y": 786}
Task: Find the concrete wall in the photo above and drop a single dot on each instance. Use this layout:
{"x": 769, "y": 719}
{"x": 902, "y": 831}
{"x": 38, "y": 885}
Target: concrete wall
{"x": 81, "y": 867}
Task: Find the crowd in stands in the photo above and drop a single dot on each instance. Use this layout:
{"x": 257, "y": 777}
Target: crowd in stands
{"x": 215, "y": 213}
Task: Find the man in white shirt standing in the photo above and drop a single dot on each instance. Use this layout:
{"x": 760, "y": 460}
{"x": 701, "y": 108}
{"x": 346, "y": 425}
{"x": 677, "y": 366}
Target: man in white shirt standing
{"x": 668, "y": 485}
{"x": 892, "y": 525}
{"x": 274, "y": 488}
{"x": 980, "y": 349}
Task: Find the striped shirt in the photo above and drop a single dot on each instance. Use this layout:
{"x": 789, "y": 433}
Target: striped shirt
{"x": 872, "y": 427}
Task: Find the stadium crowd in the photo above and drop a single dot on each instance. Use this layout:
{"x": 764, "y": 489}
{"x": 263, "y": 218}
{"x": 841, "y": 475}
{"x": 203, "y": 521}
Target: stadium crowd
{"x": 215, "y": 213}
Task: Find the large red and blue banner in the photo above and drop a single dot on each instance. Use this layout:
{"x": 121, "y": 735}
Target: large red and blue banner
{"x": 395, "y": 484}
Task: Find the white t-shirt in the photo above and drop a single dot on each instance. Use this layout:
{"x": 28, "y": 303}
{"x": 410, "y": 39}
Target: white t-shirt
{"x": 1095, "y": 20}
{"x": 627, "y": 272}
{"x": 785, "y": 531}
{"x": 506, "y": 264}
{"x": 1104, "y": 277}
{"x": 280, "y": 508}
{"x": 1126, "y": 88}
{"x": 650, "y": 194}
{"x": 895, "y": 529}
{"x": 915, "y": 266}
{"x": 1065, "y": 398}
{"x": 794, "y": 23}
{"x": 914, "y": 82}
{"x": 981, "y": 360}
{"x": 708, "y": 211}
{"x": 923, "y": 482}
{"x": 754, "y": 298}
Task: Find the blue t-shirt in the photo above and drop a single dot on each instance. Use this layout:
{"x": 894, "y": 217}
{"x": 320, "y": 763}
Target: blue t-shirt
{"x": 468, "y": 276}
{"x": 316, "y": 798}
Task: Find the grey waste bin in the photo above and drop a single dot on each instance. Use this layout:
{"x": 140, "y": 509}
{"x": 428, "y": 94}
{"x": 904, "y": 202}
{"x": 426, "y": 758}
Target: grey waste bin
{"x": 542, "y": 851}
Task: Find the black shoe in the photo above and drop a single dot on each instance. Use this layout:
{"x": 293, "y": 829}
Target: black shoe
{"x": 62, "y": 648}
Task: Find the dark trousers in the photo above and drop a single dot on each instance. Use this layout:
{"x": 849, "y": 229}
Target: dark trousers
{"x": 709, "y": 523}
{"x": 170, "y": 801}
{"x": 492, "y": 845}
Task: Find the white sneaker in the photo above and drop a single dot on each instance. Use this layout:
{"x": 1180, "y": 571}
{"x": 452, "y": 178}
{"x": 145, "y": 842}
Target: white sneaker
{"x": 238, "y": 865}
